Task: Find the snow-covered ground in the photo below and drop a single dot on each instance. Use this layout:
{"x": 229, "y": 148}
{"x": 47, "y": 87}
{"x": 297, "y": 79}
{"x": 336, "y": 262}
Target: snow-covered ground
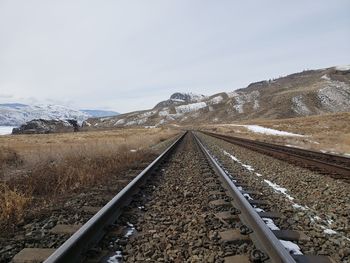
{"x": 267, "y": 131}
{"x": 6, "y": 130}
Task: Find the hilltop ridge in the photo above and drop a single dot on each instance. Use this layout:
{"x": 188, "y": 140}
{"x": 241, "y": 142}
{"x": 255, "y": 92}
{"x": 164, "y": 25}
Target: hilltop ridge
{"x": 306, "y": 93}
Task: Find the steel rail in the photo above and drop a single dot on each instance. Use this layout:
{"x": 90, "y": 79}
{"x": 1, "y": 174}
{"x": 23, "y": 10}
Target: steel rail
{"x": 303, "y": 152}
{"x": 291, "y": 154}
{"x": 341, "y": 160}
{"x": 73, "y": 249}
{"x": 267, "y": 240}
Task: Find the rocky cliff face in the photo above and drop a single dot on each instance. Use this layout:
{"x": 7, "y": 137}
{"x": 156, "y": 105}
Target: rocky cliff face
{"x": 311, "y": 92}
{"x": 41, "y": 126}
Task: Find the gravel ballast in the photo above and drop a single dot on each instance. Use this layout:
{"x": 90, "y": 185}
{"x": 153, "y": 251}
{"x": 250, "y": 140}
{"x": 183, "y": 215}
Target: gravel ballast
{"x": 172, "y": 220}
{"x": 310, "y": 202}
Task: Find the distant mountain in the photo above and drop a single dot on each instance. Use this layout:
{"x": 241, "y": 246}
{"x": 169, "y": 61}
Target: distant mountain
{"x": 311, "y": 92}
{"x": 100, "y": 113}
{"x": 15, "y": 114}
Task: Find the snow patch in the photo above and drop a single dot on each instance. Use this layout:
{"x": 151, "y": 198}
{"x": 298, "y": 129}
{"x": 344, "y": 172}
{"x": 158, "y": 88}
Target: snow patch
{"x": 292, "y": 248}
{"x": 294, "y": 146}
{"x": 119, "y": 122}
{"x": 278, "y": 188}
{"x": 239, "y": 103}
{"x": 190, "y": 107}
{"x": 329, "y": 231}
{"x": 242, "y": 98}
{"x": 248, "y": 167}
{"x": 269, "y": 222}
{"x": 299, "y": 107}
{"x": 297, "y": 206}
{"x": 247, "y": 196}
{"x": 130, "y": 230}
{"x": 116, "y": 258}
{"x": 177, "y": 100}
{"x": 269, "y": 131}
{"x": 325, "y": 77}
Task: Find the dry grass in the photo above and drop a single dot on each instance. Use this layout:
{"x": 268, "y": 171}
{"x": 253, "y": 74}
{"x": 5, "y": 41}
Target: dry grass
{"x": 330, "y": 132}
{"x": 47, "y": 166}
{"x": 12, "y": 204}
{"x": 8, "y": 157}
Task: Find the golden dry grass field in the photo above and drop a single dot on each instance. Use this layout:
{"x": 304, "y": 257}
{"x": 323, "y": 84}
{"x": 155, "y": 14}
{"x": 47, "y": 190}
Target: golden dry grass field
{"x": 327, "y": 133}
{"x": 42, "y": 167}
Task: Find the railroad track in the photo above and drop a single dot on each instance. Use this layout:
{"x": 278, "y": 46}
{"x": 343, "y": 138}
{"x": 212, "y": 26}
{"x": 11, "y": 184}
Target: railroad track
{"x": 219, "y": 218}
{"x": 335, "y": 166}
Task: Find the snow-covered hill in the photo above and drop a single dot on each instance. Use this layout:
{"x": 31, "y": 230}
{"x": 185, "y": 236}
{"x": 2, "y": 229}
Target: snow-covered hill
{"x": 306, "y": 93}
{"x": 15, "y": 114}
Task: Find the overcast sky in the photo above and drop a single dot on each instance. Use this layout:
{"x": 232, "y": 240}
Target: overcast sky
{"x": 128, "y": 55}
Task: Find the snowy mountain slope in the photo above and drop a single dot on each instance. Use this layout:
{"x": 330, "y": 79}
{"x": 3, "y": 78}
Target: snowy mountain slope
{"x": 15, "y": 114}
{"x": 310, "y": 92}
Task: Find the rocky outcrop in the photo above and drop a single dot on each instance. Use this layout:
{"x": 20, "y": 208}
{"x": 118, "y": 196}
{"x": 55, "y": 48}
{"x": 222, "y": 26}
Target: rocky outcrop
{"x": 179, "y": 98}
{"x": 41, "y": 126}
